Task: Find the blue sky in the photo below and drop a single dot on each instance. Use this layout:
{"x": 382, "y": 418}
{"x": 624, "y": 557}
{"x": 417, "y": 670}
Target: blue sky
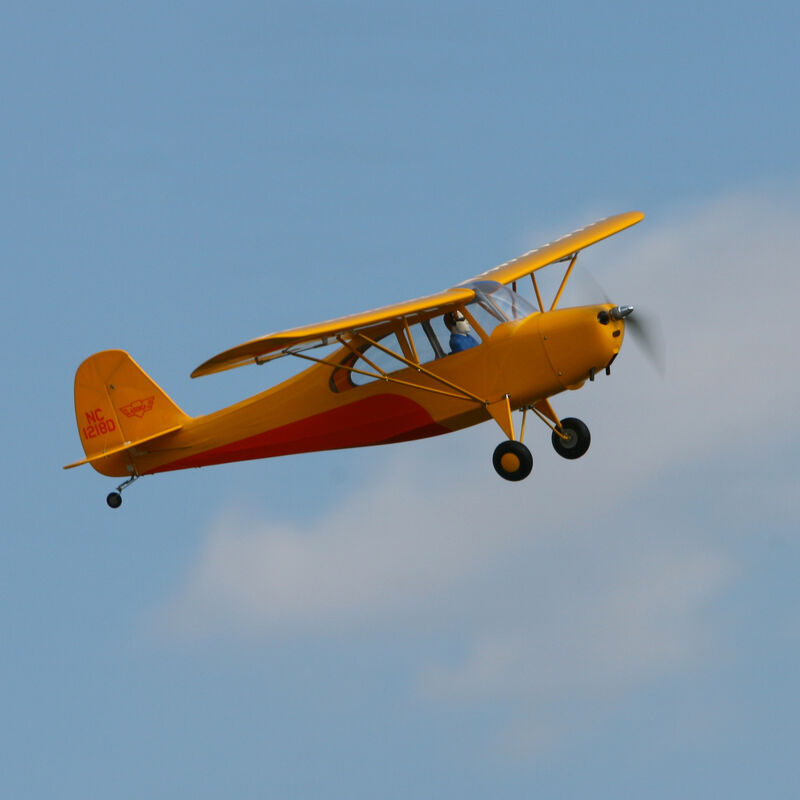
{"x": 393, "y": 622}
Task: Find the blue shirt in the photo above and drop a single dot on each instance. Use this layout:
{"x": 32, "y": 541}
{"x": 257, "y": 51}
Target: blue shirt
{"x": 462, "y": 341}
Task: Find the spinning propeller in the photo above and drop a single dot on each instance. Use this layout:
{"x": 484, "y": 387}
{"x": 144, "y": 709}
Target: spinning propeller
{"x": 646, "y": 333}
{"x": 644, "y": 329}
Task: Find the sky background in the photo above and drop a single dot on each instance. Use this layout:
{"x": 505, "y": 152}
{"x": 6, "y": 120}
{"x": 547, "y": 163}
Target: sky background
{"x": 176, "y": 178}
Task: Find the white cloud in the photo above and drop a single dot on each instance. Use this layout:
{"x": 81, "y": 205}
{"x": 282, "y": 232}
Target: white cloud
{"x": 556, "y": 586}
{"x": 723, "y": 281}
{"x": 633, "y": 623}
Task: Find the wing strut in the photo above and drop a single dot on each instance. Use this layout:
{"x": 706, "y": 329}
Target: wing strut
{"x": 563, "y": 283}
{"x": 536, "y": 289}
{"x": 422, "y": 369}
{"x": 379, "y": 374}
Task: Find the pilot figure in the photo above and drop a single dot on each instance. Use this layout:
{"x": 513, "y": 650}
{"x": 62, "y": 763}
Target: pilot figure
{"x": 460, "y": 336}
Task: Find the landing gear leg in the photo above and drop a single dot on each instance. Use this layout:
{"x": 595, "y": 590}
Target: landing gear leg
{"x": 114, "y": 499}
{"x": 512, "y": 460}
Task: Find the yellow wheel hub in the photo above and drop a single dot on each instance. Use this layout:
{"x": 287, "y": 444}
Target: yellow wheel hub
{"x": 510, "y": 462}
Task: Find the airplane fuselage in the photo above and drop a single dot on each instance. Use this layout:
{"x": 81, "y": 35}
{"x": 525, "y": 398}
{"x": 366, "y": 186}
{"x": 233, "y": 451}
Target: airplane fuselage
{"x": 526, "y": 360}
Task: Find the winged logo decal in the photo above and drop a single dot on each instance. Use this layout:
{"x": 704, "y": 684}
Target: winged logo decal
{"x": 138, "y": 408}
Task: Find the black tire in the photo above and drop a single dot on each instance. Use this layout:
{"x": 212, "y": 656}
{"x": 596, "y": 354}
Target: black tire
{"x": 114, "y": 500}
{"x": 577, "y": 443}
{"x": 512, "y": 461}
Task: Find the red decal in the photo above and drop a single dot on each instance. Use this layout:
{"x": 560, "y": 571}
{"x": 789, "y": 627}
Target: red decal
{"x": 138, "y": 408}
{"x": 372, "y": 420}
{"x": 94, "y": 416}
{"x": 100, "y": 428}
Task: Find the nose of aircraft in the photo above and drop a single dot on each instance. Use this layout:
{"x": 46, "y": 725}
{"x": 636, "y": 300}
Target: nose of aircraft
{"x": 582, "y": 341}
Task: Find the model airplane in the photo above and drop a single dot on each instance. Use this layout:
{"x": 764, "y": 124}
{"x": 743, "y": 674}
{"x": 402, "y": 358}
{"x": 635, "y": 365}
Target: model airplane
{"x": 476, "y": 352}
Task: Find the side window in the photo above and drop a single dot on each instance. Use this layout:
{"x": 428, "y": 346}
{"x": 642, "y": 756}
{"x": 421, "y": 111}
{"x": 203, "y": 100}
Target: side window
{"x": 425, "y": 343}
{"x": 431, "y": 341}
{"x": 439, "y": 330}
{"x": 379, "y": 358}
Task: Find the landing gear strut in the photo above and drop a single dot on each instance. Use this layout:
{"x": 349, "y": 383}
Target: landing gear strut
{"x": 114, "y": 499}
{"x": 513, "y": 461}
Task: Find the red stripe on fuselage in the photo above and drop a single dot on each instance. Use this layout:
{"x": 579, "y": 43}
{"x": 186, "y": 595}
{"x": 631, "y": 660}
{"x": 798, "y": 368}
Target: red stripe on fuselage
{"x": 374, "y": 420}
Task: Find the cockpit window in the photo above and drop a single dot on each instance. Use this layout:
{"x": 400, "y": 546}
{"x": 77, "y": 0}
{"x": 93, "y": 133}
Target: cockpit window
{"x": 422, "y": 344}
{"x": 495, "y": 303}
{"x": 512, "y": 305}
{"x": 486, "y": 314}
{"x": 427, "y": 341}
{"x": 379, "y": 358}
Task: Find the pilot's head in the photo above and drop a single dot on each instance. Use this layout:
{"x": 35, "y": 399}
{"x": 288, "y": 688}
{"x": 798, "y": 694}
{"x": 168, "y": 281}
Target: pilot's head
{"x": 456, "y": 322}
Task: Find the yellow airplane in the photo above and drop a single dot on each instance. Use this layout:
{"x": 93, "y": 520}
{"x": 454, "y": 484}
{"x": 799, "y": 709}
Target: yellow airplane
{"x": 476, "y": 352}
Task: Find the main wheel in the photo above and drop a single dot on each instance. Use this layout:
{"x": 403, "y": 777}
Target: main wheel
{"x": 512, "y": 461}
{"x": 577, "y": 441}
{"x": 114, "y": 500}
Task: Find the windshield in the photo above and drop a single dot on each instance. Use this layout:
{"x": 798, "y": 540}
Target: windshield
{"x": 498, "y": 303}
{"x": 511, "y": 304}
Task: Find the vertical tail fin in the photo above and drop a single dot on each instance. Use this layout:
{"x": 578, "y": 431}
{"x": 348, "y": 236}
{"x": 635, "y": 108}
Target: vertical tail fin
{"x": 117, "y": 405}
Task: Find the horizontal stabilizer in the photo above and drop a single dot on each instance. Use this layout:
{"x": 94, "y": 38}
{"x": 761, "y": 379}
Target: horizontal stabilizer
{"x": 122, "y": 447}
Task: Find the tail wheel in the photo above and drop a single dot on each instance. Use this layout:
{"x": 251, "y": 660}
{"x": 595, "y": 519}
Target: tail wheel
{"x": 512, "y": 461}
{"x": 577, "y": 438}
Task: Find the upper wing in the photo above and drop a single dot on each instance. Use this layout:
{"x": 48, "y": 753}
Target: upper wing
{"x": 560, "y": 249}
{"x": 379, "y": 321}
{"x": 370, "y": 323}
